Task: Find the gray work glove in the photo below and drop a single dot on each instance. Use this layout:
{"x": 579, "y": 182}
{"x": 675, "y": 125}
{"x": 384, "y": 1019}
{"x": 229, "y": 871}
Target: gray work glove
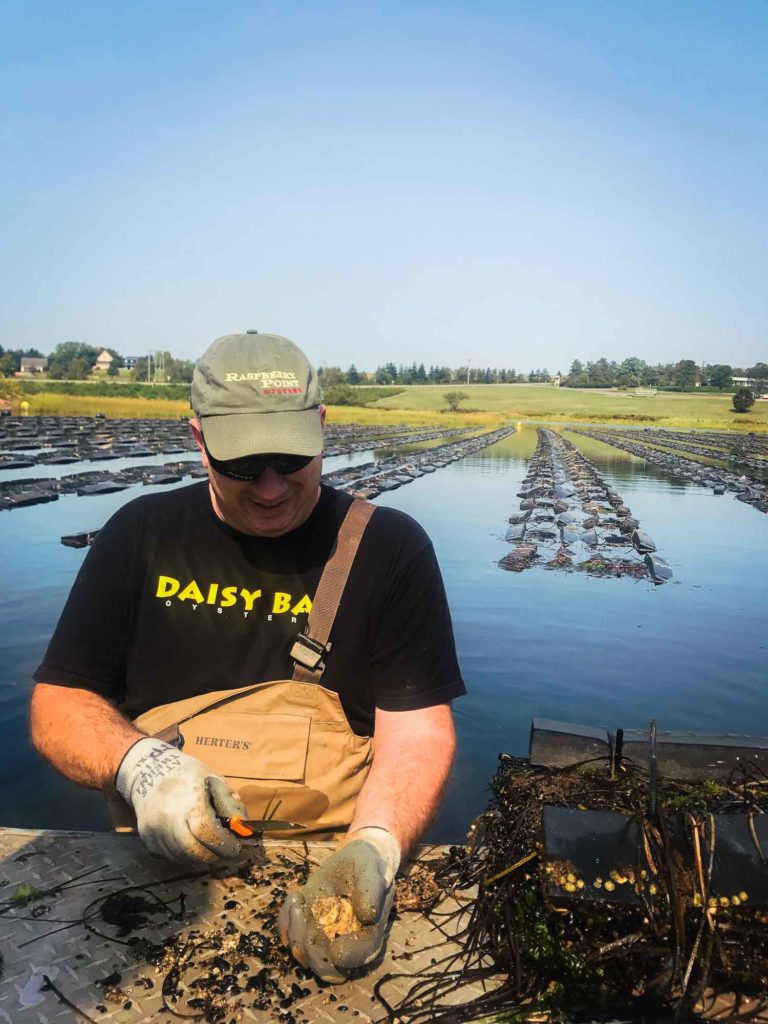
{"x": 176, "y": 799}
{"x": 363, "y": 870}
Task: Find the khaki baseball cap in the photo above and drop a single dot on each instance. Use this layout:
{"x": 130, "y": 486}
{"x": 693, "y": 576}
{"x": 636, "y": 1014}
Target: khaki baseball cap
{"x": 256, "y": 393}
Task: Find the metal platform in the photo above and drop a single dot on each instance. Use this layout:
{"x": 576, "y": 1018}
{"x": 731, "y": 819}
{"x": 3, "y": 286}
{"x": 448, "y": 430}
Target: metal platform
{"x": 102, "y": 979}
{"x": 98, "y": 974}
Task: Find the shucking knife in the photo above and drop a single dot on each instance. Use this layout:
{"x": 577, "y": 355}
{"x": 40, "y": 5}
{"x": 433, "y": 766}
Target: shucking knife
{"x": 248, "y": 828}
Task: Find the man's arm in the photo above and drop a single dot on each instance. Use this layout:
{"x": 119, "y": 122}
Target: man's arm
{"x": 413, "y": 754}
{"x": 80, "y": 733}
{"x": 176, "y": 799}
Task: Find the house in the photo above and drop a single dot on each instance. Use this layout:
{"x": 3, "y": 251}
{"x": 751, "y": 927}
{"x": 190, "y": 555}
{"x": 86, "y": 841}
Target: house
{"x": 30, "y": 364}
{"x": 130, "y": 361}
{"x": 103, "y": 361}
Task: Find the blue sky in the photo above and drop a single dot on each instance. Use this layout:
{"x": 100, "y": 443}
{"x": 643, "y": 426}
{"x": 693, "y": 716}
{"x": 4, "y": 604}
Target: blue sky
{"x": 520, "y": 184}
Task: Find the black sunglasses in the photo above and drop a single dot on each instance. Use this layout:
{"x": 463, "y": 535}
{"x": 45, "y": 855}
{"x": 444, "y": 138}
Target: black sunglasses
{"x": 251, "y": 467}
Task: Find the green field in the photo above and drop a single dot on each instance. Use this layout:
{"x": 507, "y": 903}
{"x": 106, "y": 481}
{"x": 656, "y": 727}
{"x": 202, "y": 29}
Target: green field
{"x": 542, "y": 401}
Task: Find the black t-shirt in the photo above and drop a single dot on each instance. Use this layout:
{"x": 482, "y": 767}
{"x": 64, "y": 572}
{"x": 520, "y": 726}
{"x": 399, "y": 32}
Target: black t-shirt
{"x": 171, "y": 602}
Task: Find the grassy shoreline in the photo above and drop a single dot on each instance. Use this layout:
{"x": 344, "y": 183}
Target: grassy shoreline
{"x": 488, "y": 405}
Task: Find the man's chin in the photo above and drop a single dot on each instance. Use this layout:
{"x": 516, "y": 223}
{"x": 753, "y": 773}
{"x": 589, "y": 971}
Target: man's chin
{"x": 269, "y": 522}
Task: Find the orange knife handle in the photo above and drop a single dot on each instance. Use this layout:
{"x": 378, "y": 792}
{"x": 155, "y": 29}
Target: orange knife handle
{"x": 237, "y": 825}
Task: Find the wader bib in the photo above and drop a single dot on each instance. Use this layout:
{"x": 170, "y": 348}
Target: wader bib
{"x": 288, "y": 739}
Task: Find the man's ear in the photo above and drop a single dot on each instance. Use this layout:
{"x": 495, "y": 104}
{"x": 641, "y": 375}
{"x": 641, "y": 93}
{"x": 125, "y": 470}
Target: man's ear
{"x": 322, "y": 410}
{"x": 197, "y": 434}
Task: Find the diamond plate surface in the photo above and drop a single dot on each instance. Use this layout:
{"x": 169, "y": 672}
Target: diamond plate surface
{"x": 71, "y": 874}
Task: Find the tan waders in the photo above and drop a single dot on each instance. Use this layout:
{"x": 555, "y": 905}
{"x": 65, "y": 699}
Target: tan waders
{"x": 286, "y": 740}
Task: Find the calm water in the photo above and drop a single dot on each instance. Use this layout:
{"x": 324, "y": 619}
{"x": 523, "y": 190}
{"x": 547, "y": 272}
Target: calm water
{"x": 612, "y": 652}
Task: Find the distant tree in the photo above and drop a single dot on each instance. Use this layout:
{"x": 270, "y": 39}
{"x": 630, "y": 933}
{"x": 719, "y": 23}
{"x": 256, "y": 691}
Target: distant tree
{"x": 743, "y": 400}
{"x": 330, "y": 376}
{"x": 759, "y": 374}
{"x": 67, "y": 353}
{"x": 382, "y": 376}
{"x": 79, "y": 369}
{"x": 58, "y": 371}
{"x": 600, "y": 374}
{"x": 685, "y": 374}
{"x": 577, "y": 375}
{"x": 341, "y": 394}
{"x": 139, "y": 371}
{"x": 7, "y": 364}
{"x": 720, "y": 376}
{"x": 630, "y": 373}
{"x": 179, "y": 371}
{"x": 353, "y": 377}
{"x": 453, "y": 399}
{"x": 439, "y": 375}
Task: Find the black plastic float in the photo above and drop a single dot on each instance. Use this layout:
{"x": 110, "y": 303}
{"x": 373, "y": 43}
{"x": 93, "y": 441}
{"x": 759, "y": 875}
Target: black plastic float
{"x": 79, "y": 540}
{"x": 560, "y": 744}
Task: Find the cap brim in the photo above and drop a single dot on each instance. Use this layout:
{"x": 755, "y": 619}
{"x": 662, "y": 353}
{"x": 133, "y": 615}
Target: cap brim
{"x": 239, "y": 434}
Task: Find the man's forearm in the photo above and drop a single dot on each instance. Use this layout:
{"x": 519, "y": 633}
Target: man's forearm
{"x": 79, "y": 733}
{"x": 413, "y": 753}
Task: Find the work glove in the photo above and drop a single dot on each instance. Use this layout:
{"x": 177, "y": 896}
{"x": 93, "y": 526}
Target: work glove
{"x": 176, "y": 800}
{"x": 362, "y": 870}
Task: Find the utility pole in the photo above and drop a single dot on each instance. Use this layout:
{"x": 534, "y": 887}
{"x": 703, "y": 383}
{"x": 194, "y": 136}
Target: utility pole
{"x": 149, "y": 367}
{"x": 469, "y": 361}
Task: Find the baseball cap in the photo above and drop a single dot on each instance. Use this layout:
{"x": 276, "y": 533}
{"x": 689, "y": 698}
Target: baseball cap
{"x": 255, "y": 393}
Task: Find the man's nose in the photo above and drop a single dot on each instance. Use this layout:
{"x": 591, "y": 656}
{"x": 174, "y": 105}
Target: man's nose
{"x": 270, "y": 484}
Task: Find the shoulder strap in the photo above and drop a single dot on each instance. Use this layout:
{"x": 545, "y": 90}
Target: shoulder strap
{"x": 312, "y": 645}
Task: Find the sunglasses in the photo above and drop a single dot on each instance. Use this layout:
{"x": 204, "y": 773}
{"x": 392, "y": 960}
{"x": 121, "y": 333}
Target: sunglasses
{"x": 251, "y": 467}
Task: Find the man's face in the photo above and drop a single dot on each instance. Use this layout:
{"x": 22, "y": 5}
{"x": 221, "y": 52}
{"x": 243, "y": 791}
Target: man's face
{"x": 270, "y": 506}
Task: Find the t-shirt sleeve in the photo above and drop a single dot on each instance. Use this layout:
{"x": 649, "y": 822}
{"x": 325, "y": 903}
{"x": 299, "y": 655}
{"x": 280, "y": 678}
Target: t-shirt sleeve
{"x": 414, "y": 656}
{"x": 88, "y": 649}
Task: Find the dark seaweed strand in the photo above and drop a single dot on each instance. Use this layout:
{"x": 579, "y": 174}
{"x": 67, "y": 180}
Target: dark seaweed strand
{"x": 94, "y": 907}
{"x": 67, "y": 1002}
{"x": 56, "y": 889}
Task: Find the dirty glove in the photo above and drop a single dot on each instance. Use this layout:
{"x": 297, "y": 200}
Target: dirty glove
{"x": 315, "y": 925}
{"x": 176, "y": 799}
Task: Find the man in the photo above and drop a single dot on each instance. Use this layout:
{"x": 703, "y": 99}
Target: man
{"x": 270, "y": 626}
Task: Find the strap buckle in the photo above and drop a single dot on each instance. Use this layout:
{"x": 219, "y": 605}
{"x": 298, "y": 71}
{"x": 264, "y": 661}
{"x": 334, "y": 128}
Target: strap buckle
{"x": 309, "y": 653}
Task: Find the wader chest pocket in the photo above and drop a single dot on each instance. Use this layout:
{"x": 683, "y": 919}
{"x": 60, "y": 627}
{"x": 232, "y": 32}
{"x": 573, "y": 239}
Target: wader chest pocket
{"x": 249, "y": 745}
